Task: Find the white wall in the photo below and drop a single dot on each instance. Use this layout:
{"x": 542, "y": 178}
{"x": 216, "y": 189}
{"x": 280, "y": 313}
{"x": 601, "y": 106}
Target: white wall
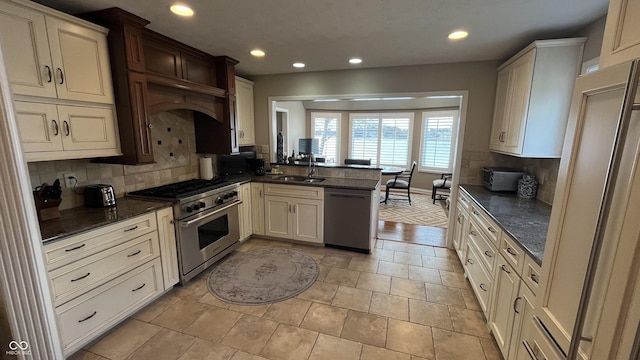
{"x": 297, "y": 124}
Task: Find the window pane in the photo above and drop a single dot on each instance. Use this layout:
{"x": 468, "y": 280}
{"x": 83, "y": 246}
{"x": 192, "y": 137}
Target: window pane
{"x": 394, "y": 142}
{"x": 364, "y": 138}
{"x": 437, "y": 139}
{"x": 325, "y": 129}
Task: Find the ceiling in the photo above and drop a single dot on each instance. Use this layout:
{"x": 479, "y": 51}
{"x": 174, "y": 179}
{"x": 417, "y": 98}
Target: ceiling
{"x": 324, "y": 34}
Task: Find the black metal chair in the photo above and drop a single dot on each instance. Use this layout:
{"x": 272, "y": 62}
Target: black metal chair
{"x": 357, "y": 162}
{"x": 444, "y": 183}
{"x": 401, "y": 182}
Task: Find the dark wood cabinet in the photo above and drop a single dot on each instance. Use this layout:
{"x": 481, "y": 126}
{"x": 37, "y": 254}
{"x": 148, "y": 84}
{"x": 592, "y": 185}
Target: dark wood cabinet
{"x": 153, "y": 73}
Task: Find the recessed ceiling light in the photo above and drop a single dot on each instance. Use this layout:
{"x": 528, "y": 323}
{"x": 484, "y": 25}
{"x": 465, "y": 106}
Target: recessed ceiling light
{"x": 257, "y": 53}
{"x": 326, "y": 100}
{"x": 366, "y": 99}
{"x": 181, "y": 10}
{"x": 355, "y": 61}
{"x": 458, "y": 34}
{"x": 299, "y": 65}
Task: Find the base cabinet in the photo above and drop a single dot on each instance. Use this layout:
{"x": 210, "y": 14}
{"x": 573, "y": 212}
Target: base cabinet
{"x": 168, "y": 247}
{"x": 459, "y": 232}
{"x": 257, "y": 208}
{"x": 294, "y": 212}
{"x": 506, "y": 287}
{"x": 246, "y": 223}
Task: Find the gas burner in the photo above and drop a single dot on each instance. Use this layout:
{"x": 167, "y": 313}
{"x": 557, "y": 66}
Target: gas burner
{"x": 182, "y": 189}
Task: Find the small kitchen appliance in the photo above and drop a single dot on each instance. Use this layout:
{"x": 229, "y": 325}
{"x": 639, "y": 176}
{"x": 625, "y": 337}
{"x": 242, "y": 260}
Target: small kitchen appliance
{"x": 501, "y": 179}
{"x": 99, "y": 195}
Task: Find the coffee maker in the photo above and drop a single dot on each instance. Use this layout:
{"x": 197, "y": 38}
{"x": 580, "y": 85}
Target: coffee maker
{"x": 258, "y": 166}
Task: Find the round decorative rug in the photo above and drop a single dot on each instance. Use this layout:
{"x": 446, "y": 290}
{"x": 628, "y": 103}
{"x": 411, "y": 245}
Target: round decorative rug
{"x": 262, "y": 276}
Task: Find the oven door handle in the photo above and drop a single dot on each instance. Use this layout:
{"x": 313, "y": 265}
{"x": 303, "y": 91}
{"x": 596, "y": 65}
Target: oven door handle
{"x": 190, "y": 222}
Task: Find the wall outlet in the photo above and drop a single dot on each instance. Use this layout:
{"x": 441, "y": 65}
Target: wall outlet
{"x": 69, "y": 180}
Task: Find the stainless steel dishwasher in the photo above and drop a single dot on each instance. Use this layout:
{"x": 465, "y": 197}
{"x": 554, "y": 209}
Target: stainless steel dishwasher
{"x": 347, "y": 219}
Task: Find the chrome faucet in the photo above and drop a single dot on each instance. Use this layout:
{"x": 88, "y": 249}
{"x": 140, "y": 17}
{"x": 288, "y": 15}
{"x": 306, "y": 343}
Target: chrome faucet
{"x": 312, "y": 166}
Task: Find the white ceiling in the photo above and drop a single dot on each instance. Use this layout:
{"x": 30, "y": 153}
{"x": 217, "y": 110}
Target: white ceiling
{"x": 324, "y": 34}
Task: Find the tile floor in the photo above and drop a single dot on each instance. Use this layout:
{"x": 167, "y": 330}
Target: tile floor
{"x": 404, "y": 301}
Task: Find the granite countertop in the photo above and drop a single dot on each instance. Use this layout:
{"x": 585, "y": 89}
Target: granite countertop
{"x": 81, "y": 219}
{"x": 329, "y": 182}
{"x": 525, "y": 220}
{"x": 327, "y": 165}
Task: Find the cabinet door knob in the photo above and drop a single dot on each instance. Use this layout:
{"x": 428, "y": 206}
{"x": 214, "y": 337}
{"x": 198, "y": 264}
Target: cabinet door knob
{"x": 50, "y": 79}
{"x": 150, "y": 126}
{"x": 56, "y": 129}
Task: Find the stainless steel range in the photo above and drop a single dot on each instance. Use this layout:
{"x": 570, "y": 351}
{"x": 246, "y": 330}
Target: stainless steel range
{"x": 207, "y": 223}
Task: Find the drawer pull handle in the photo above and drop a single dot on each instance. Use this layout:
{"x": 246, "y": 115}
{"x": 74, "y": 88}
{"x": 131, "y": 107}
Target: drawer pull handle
{"x": 81, "y": 277}
{"x": 459, "y": 219}
{"x": 492, "y": 229}
{"x": 483, "y": 287}
{"x": 515, "y": 304}
{"x": 475, "y": 212}
{"x": 88, "y": 317}
{"x": 463, "y": 199}
{"x": 488, "y": 253}
{"x": 504, "y": 268}
{"x": 61, "y": 76}
{"x": 56, "y": 128}
{"x": 131, "y": 229}
{"x": 473, "y": 233}
{"x": 135, "y": 253}
{"x": 139, "y": 287}
{"x": 469, "y": 261}
{"x": 48, "y": 73}
{"x": 75, "y": 248}
{"x": 534, "y": 278}
{"x": 511, "y": 251}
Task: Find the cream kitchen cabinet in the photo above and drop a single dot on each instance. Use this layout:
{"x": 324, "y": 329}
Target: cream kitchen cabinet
{"x": 621, "y": 41}
{"x": 460, "y": 231}
{"x": 257, "y": 208}
{"x": 532, "y": 98}
{"x": 168, "y": 247}
{"x": 245, "y": 211}
{"x": 244, "y": 103}
{"x": 506, "y": 287}
{"x": 59, "y": 56}
{"x": 53, "y": 132}
{"x": 294, "y": 212}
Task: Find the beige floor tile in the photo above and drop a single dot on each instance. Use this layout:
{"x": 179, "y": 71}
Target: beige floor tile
{"x": 469, "y": 322}
{"x": 320, "y": 292}
{"x": 392, "y": 306}
{"x": 323, "y": 271}
{"x": 413, "y": 357}
{"x": 433, "y": 262}
{"x": 454, "y": 346}
{"x": 376, "y": 353}
{"x": 193, "y": 290}
{"x": 445, "y": 253}
{"x": 180, "y": 315}
{"x": 491, "y": 351}
{"x": 124, "y": 339}
{"x": 408, "y": 288}
{"x": 430, "y": 314}
{"x": 156, "y": 308}
{"x": 470, "y": 300}
{"x": 165, "y": 345}
{"x": 254, "y": 310}
{"x": 379, "y": 243}
{"x": 85, "y": 355}
{"x": 423, "y": 274}
{"x": 280, "y": 244}
{"x": 444, "y": 295}
{"x": 290, "y": 311}
{"x": 374, "y": 282}
{"x": 250, "y": 334}
{"x": 382, "y": 254}
{"x": 241, "y": 355}
{"x": 410, "y": 338}
{"x": 317, "y": 257}
{"x": 333, "y": 348}
{"x": 364, "y": 264}
{"x": 290, "y": 343}
{"x": 335, "y": 260}
{"x": 409, "y": 248}
{"x": 453, "y": 279}
{"x": 209, "y": 299}
{"x": 407, "y": 258}
{"x": 205, "y": 350}
{"x": 393, "y": 269}
{"x": 344, "y": 277}
{"x": 354, "y": 299}
{"x": 245, "y": 246}
{"x": 396, "y": 246}
{"x": 214, "y": 324}
{"x": 365, "y": 328}
{"x": 325, "y": 319}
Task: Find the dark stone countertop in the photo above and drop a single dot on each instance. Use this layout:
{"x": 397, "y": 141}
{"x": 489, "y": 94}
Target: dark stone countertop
{"x": 525, "y": 220}
{"x": 329, "y": 182}
{"x": 80, "y": 219}
{"x": 327, "y": 165}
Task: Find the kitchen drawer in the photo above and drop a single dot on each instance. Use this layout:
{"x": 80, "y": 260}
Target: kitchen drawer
{"x": 539, "y": 346}
{"x": 83, "y": 275}
{"x": 478, "y": 277}
{"x": 464, "y": 199}
{"x": 488, "y": 226}
{"x": 65, "y": 251}
{"x": 306, "y": 192}
{"x": 484, "y": 248}
{"x": 92, "y": 313}
{"x": 512, "y": 252}
{"x": 531, "y": 274}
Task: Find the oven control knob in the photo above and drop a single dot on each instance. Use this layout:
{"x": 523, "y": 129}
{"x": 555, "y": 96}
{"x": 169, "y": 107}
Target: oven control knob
{"x": 201, "y": 205}
{"x": 188, "y": 209}
{"x": 235, "y": 193}
{"x": 226, "y": 196}
{"x": 219, "y": 200}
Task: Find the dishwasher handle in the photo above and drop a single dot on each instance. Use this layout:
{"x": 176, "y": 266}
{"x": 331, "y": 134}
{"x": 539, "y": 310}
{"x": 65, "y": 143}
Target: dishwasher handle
{"x": 347, "y": 196}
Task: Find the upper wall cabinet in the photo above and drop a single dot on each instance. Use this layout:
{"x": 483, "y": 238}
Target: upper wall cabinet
{"x": 57, "y": 58}
{"x": 533, "y": 96}
{"x": 244, "y": 102}
{"x": 621, "y": 40}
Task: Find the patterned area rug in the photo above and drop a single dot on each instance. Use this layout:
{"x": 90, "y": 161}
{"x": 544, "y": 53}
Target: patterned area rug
{"x": 420, "y": 212}
{"x": 262, "y": 276}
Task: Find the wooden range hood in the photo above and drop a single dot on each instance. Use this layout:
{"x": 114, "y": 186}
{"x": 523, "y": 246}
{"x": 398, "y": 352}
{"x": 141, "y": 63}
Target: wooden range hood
{"x": 153, "y": 73}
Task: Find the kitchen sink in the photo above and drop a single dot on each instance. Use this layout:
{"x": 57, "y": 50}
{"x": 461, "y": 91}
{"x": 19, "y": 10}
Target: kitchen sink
{"x": 298, "y": 178}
